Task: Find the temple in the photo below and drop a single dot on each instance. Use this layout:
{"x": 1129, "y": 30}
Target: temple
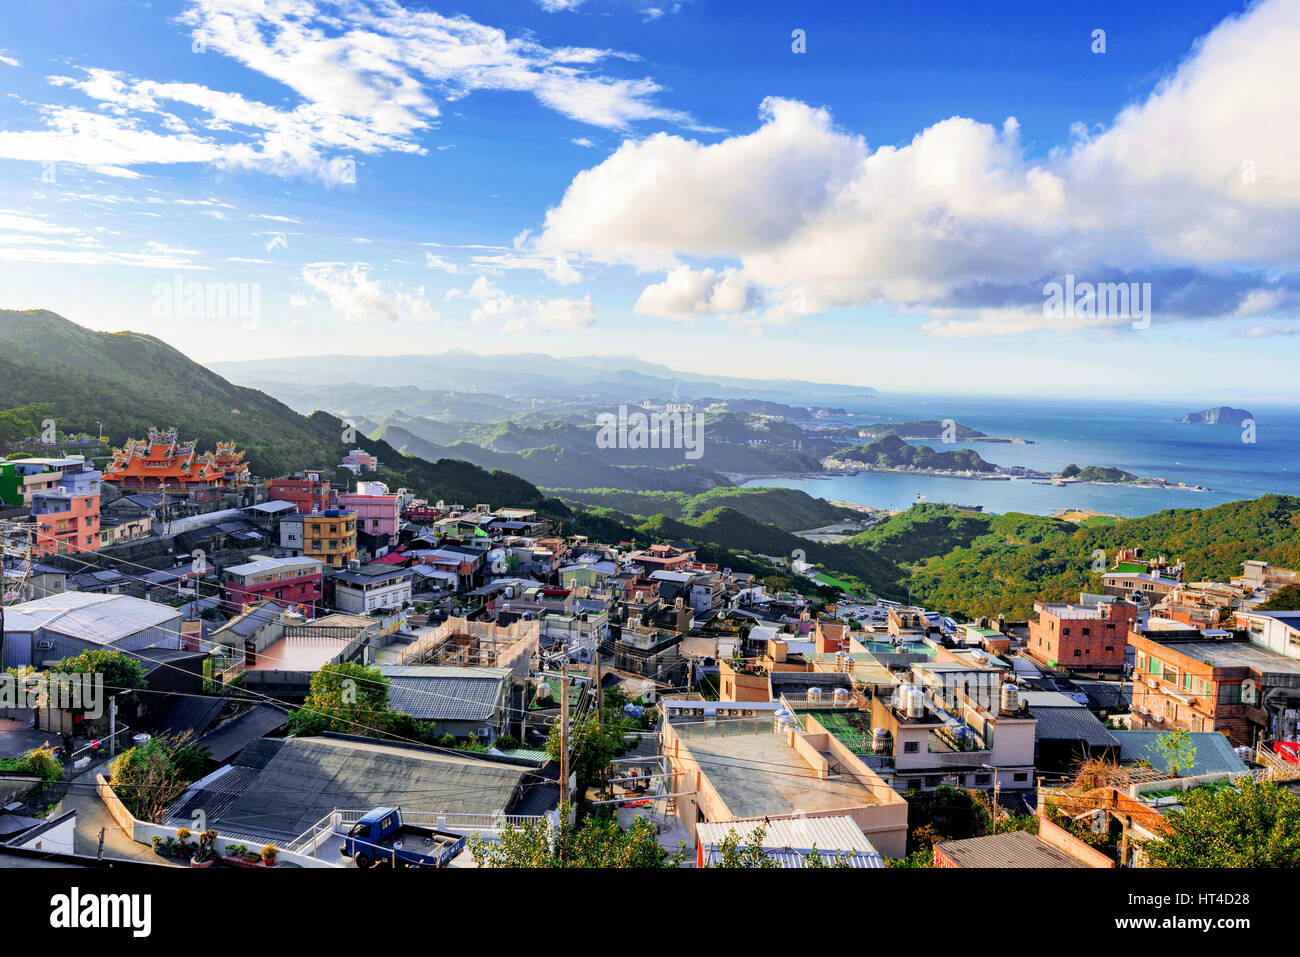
{"x": 162, "y": 459}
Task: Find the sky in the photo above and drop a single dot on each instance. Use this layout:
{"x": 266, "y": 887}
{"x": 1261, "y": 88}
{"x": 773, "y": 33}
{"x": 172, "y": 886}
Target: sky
{"x": 914, "y": 197}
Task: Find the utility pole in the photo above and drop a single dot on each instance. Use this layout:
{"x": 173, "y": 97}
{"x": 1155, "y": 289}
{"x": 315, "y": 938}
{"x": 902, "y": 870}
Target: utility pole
{"x": 112, "y": 726}
{"x": 564, "y": 732}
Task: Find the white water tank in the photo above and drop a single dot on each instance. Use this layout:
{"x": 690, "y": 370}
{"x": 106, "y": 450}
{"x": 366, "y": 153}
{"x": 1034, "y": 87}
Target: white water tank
{"x": 842, "y": 697}
{"x": 916, "y": 703}
{"x": 1010, "y": 697}
{"x": 814, "y": 695}
{"x": 900, "y": 696}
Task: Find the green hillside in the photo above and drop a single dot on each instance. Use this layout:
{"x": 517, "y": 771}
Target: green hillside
{"x": 789, "y": 509}
{"x": 130, "y": 382}
{"x": 892, "y": 452}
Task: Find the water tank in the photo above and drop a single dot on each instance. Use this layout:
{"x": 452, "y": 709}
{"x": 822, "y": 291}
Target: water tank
{"x": 848, "y": 663}
{"x": 900, "y": 696}
{"x": 842, "y": 697}
{"x": 814, "y": 694}
{"x": 916, "y": 704}
{"x": 1010, "y": 697}
{"x": 879, "y": 739}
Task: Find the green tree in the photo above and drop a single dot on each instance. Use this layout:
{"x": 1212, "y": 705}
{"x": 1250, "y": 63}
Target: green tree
{"x": 597, "y": 842}
{"x": 1254, "y": 825}
{"x": 1177, "y": 749}
{"x": 150, "y": 777}
{"x": 349, "y": 698}
{"x": 593, "y": 743}
{"x": 122, "y": 675}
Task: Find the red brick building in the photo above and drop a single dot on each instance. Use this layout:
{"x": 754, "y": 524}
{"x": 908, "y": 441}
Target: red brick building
{"x": 1082, "y": 637}
{"x": 306, "y": 495}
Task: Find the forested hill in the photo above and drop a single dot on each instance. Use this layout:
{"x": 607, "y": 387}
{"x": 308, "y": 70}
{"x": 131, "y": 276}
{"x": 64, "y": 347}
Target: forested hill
{"x": 128, "y": 382}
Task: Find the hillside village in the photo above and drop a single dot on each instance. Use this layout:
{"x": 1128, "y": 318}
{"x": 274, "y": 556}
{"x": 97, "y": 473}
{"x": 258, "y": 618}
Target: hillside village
{"x": 268, "y": 671}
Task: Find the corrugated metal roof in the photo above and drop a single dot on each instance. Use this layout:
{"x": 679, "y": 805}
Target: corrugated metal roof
{"x": 1214, "y": 753}
{"x": 1009, "y": 849}
{"x": 444, "y": 693}
{"x": 102, "y": 619}
{"x": 1072, "y": 723}
{"x": 788, "y": 840}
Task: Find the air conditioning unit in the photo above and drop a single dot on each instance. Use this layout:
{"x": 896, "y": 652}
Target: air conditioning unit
{"x": 45, "y": 645}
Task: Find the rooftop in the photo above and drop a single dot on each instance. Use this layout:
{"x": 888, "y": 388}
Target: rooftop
{"x": 759, "y": 774}
{"x": 1009, "y": 849}
{"x": 1214, "y": 752}
{"x": 790, "y": 840}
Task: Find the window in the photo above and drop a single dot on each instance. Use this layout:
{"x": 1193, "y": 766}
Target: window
{"x": 983, "y": 779}
{"x": 1020, "y": 776}
{"x": 1078, "y": 653}
{"x": 1187, "y": 682}
{"x": 911, "y": 747}
{"x": 1229, "y": 694}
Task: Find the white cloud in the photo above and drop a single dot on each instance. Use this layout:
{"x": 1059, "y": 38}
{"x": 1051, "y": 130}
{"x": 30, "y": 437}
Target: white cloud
{"x": 366, "y": 77}
{"x": 583, "y": 141}
{"x": 517, "y": 314}
{"x": 349, "y": 291}
{"x": 959, "y": 223}
{"x": 687, "y": 292}
{"x": 9, "y": 61}
{"x": 438, "y": 262}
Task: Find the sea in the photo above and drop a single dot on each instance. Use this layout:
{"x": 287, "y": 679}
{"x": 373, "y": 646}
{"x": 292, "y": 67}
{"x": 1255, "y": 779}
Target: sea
{"x": 1141, "y": 437}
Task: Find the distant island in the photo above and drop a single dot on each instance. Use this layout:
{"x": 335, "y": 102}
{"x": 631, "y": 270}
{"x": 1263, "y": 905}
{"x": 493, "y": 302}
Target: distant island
{"x": 891, "y": 453}
{"x": 1219, "y": 415}
{"x": 1103, "y": 475}
{"x": 944, "y": 430}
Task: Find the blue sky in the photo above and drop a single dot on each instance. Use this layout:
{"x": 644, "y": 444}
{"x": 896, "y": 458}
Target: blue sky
{"x": 671, "y": 180}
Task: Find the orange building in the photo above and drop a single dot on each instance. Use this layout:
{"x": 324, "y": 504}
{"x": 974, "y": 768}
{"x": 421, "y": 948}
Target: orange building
{"x": 162, "y": 459}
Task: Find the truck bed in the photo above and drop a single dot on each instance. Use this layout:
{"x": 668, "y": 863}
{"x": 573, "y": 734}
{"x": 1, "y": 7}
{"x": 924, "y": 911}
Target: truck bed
{"x": 418, "y": 842}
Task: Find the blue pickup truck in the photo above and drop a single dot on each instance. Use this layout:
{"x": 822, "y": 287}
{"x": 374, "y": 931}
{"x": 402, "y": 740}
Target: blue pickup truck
{"x": 381, "y": 837}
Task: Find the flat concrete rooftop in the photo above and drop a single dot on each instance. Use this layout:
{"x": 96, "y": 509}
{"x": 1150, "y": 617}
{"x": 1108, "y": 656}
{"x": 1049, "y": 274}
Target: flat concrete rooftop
{"x": 759, "y": 774}
{"x": 1236, "y": 654}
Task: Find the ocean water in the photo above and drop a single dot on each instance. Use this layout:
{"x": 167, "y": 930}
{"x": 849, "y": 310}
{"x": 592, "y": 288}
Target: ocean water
{"x": 1139, "y": 437}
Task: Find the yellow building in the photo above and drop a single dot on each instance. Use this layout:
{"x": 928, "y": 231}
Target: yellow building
{"x": 330, "y": 536}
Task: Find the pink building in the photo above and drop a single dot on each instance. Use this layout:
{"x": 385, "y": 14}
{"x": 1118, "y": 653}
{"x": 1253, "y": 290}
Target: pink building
{"x": 286, "y": 581}
{"x": 377, "y": 514}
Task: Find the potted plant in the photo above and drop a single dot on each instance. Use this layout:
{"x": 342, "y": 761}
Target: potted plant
{"x": 206, "y": 855}
{"x": 269, "y": 854}
{"x": 157, "y": 845}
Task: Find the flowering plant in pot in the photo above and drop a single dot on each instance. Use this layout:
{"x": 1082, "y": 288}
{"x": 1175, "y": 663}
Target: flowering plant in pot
{"x": 205, "y": 855}
{"x": 269, "y": 854}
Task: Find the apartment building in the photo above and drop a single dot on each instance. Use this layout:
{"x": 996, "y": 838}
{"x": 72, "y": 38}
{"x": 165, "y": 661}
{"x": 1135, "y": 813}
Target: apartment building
{"x": 1211, "y": 680}
{"x": 1082, "y": 637}
{"x": 67, "y": 513}
{"x": 286, "y": 581}
{"x": 330, "y": 536}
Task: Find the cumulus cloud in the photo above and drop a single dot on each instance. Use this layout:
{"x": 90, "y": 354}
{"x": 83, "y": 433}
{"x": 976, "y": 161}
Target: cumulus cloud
{"x": 1193, "y": 188}
{"x": 517, "y": 314}
{"x": 687, "y": 292}
{"x": 350, "y": 292}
